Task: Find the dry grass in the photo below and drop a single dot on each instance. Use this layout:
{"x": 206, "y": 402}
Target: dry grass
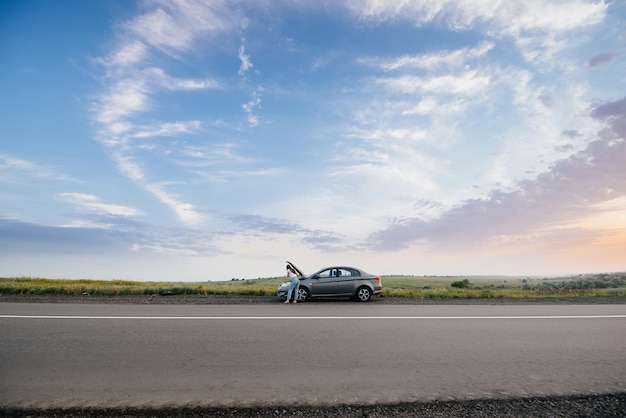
{"x": 603, "y": 285}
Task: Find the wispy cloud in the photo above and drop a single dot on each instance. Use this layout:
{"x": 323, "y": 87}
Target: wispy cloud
{"x": 564, "y": 194}
{"x": 133, "y": 80}
{"x": 15, "y": 169}
{"x": 122, "y": 99}
{"x": 94, "y": 204}
{"x": 127, "y": 55}
{"x": 332, "y": 130}
{"x": 536, "y": 26}
{"x": 507, "y": 17}
{"x": 468, "y": 83}
{"x": 167, "y": 129}
{"x": 458, "y": 14}
{"x": 431, "y": 62}
{"x": 417, "y": 121}
{"x": 212, "y": 155}
{"x": 160, "y": 78}
{"x": 185, "y": 211}
{"x": 174, "y": 26}
{"x": 128, "y": 97}
{"x": 250, "y": 106}
{"x": 246, "y": 64}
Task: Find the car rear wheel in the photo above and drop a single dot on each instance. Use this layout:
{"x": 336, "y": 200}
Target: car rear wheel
{"x": 303, "y": 294}
{"x": 363, "y": 294}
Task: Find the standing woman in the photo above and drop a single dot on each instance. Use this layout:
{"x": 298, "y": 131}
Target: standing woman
{"x": 294, "y": 286}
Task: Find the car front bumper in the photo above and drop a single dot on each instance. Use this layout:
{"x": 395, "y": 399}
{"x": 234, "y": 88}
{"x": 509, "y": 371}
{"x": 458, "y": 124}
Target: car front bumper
{"x": 283, "y": 289}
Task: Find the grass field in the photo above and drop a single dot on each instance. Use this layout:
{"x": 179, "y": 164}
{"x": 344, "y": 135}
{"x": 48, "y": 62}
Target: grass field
{"x": 472, "y": 287}
{"x": 420, "y": 287}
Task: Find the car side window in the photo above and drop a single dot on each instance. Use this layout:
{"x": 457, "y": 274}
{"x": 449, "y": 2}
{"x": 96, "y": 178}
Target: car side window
{"x": 353, "y": 272}
{"x": 324, "y": 273}
{"x": 344, "y": 272}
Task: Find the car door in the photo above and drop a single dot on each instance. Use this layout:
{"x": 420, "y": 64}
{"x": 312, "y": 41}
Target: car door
{"x": 343, "y": 281}
{"x": 322, "y": 283}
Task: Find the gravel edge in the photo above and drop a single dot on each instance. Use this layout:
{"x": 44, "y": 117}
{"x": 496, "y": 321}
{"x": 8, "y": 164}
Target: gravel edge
{"x": 605, "y": 405}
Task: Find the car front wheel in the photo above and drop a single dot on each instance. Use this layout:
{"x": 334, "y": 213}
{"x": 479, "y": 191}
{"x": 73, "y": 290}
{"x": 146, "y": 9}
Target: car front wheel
{"x": 303, "y": 294}
{"x": 364, "y": 294}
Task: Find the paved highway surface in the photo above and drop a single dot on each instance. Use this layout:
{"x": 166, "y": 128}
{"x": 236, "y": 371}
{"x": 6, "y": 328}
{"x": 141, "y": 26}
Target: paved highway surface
{"x": 75, "y": 355}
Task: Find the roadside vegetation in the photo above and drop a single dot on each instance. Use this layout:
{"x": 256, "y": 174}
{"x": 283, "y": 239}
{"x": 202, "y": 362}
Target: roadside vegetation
{"x": 418, "y": 287}
{"x": 28, "y": 285}
{"x": 476, "y": 287}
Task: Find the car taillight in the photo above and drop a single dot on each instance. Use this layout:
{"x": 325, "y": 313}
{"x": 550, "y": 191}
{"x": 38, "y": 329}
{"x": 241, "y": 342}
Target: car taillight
{"x": 378, "y": 279}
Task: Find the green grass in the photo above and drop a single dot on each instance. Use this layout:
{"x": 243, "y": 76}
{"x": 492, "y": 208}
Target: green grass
{"x": 28, "y": 285}
{"x": 423, "y": 287}
{"x": 433, "y": 287}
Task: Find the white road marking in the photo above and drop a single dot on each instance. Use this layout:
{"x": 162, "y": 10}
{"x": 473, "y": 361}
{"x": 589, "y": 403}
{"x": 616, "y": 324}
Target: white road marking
{"x": 253, "y": 318}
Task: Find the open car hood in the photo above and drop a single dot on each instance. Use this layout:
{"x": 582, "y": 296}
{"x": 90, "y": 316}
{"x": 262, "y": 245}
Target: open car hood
{"x": 296, "y": 268}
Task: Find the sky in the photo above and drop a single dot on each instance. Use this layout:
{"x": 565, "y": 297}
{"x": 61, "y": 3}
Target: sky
{"x": 186, "y": 140}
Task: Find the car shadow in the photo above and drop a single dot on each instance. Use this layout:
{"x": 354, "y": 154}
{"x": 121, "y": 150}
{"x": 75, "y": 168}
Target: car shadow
{"x": 331, "y": 300}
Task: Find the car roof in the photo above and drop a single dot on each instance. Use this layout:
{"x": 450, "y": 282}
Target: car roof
{"x": 326, "y": 268}
{"x": 345, "y": 267}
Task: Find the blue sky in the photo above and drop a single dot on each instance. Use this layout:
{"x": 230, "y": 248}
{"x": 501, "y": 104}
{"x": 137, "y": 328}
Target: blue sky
{"x": 188, "y": 140}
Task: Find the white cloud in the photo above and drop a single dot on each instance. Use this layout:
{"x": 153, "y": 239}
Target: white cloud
{"x": 128, "y": 55}
{"x": 130, "y": 96}
{"x": 414, "y": 127}
{"x": 124, "y": 98}
{"x": 572, "y": 189}
{"x": 425, "y": 106}
{"x": 550, "y": 16}
{"x": 167, "y": 129}
{"x": 14, "y": 169}
{"x": 537, "y": 26}
{"x": 94, "y": 204}
{"x": 174, "y": 25}
{"x": 397, "y": 136}
{"x": 132, "y": 81}
{"x": 159, "y": 77}
{"x": 468, "y": 83}
{"x": 133, "y": 170}
{"x": 9, "y": 162}
{"x": 250, "y": 106}
{"x": 218, "y": 155}
{"x": 128, "y": 166}
{"x": 246, "y": 64}
{"x": 185, "y": 211}
{"x": 508, "y": 16}
{"x": 159, "y": 29}
{"x": 430, "y": 62}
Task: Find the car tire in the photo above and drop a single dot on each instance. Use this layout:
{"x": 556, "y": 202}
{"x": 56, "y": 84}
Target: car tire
{"x": 303, "y": 294}
{"x": 363, "y": 294}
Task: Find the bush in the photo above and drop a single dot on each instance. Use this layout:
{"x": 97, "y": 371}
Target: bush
{"x": 461, "y": 284}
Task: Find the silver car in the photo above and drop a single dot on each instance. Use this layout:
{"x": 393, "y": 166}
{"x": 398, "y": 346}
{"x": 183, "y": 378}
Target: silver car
{"x": 334, "y": 282}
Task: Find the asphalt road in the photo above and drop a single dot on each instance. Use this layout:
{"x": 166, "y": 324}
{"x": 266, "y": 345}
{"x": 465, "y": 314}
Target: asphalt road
{"x": 74, "y": 355}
